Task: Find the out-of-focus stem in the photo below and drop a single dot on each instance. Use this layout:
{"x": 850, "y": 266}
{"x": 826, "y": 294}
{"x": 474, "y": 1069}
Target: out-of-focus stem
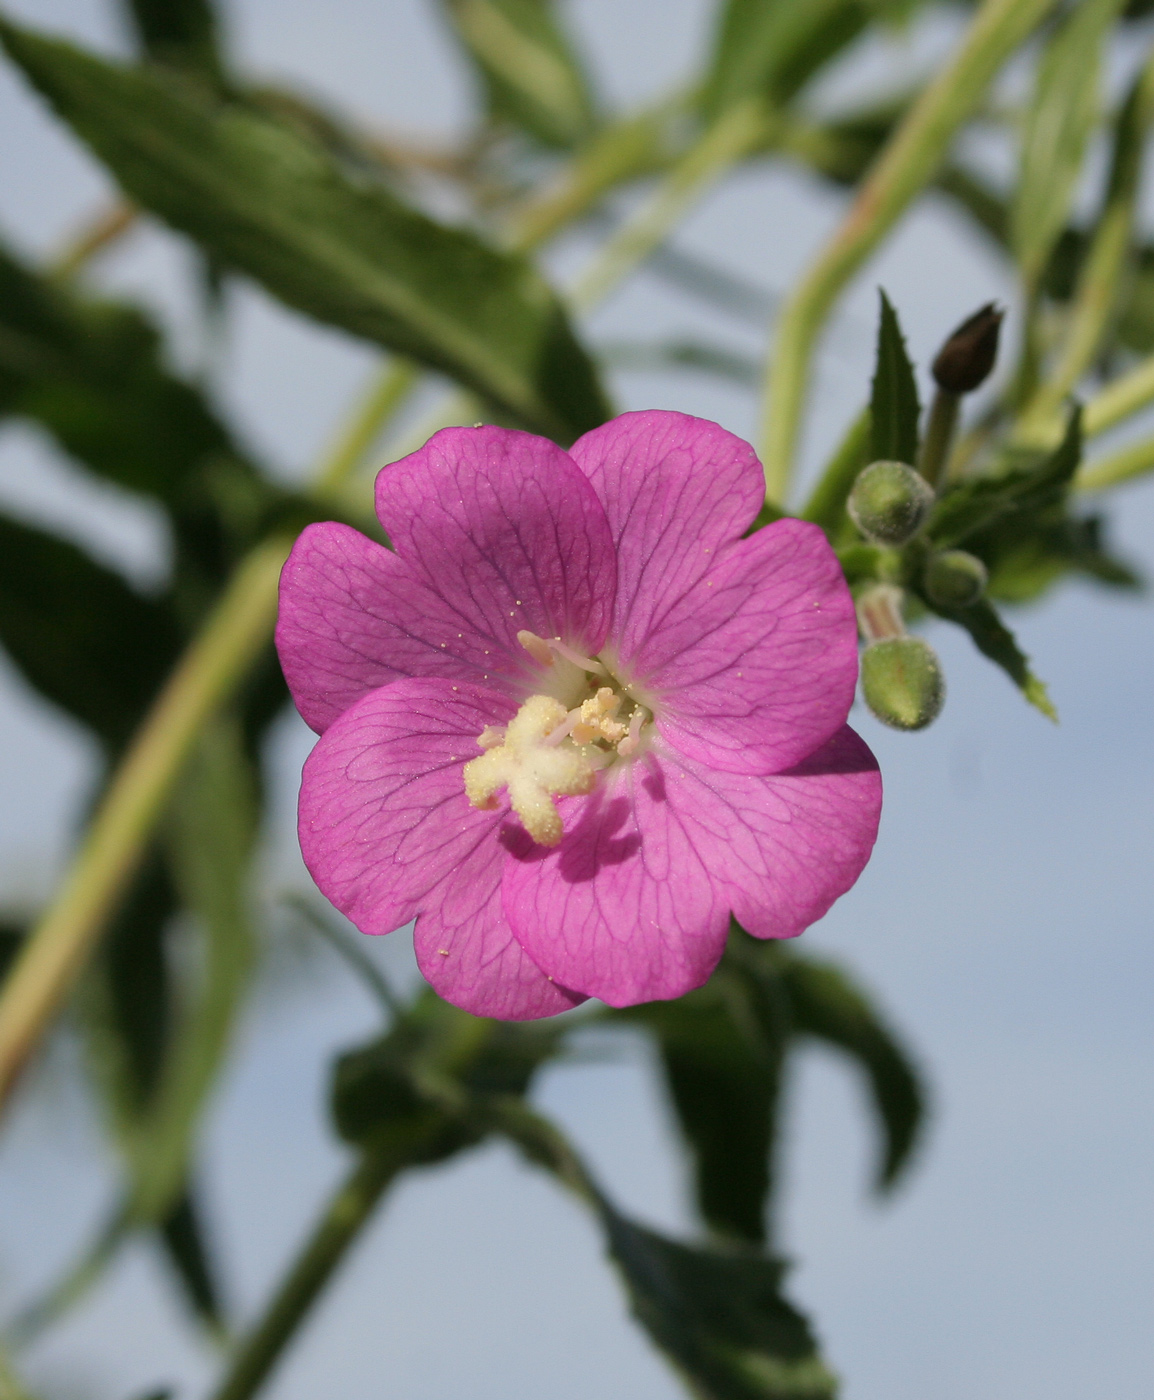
{"x": 101, "y": 233}
{"x": 826, "y": 506}
{"x": 1120, "y": 399}
{"x": 939, "y": 435}
{"x": 346, "y": 1213}
{"x": 1124, "y": 465}
{"x": 903, "y": 169}
{"x": 206, "y": 675}
{"x": 737, "y": 132}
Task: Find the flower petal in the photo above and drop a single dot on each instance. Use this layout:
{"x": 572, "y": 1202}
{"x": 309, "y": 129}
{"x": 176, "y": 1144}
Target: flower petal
{"x": 675, "y": 490}
{"x": 634, "y": 904}
{"x": 784, "y": 847}
{"x": 756, "y": 666}
{"x": 624, "y": 908}
{"x": 506, "y": 530}
{"x": 388, "y": 835}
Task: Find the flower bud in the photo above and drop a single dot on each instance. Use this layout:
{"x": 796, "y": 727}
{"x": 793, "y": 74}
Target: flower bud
{"x": 968, "y": 355}
{"x": 955, "y": 579}
{"x": 889, "y": 502}
{"x": 902, "y": 682}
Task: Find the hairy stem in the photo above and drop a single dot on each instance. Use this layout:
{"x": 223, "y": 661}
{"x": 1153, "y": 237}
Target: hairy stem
{"x": 906, "y": 165}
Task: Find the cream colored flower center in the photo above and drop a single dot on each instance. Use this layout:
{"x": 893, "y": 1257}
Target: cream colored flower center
{"x": 551, "y": 748}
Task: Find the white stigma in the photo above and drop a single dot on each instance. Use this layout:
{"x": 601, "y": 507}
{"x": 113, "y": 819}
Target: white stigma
{"x": 533, "y": 770}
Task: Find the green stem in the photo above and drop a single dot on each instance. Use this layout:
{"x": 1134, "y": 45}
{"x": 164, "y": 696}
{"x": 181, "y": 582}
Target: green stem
{"x": 1120, "y": 399}
{"x": 908, "y": 162}
{"x": 942, "y": 422}
{"x": 338, "y": 1227}
{"x": 741, "y": 129}
{"x": 826, "y": 506}
{"x": 386, "y": 392}
{"x": 208, "y": 673}
{"x": 1123, "y": 465}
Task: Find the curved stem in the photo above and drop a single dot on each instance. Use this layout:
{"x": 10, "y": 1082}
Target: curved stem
{"x": 207, "y": 674}
{"x": 906, "y": 165}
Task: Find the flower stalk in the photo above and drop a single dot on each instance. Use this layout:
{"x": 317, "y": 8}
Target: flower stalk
{"x": 905, "y": 166}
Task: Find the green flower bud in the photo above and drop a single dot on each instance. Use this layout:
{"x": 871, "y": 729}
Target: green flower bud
{"x": 902, "y": 682}
{"x": 889, "y": 502}
{"x": 955, "y": 579}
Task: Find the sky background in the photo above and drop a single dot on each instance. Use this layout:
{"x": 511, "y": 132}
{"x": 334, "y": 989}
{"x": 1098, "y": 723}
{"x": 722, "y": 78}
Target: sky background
{"x": 1003, "y": 923}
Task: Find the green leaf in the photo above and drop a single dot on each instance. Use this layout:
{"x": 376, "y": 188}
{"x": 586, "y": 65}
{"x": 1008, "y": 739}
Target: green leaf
{"x": 894, "y": 407}
{"x": 719, "y": 1316}
{"x": 717, "y": 1313}
{"x": 995, "y": 640}
{"x": 186, "y": 1246}
{"x": 723, "y": 1067}
{"x": 773, "y": 47}
{"x": 85, "y": 639}
{"x": 528, "y": 66}
{"x": 1061, "y": 116}
{"x": 826, "y": 505}
{"x": 269, "y": 201}
{"x": 1021, "y": 493}
{"x": 180, "y": 33}
{"x": 828, "y": 1005}
{"x": 91, "y": 372}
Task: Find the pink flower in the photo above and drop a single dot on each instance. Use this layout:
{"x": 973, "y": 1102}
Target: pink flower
{"x": 576, "y": 720}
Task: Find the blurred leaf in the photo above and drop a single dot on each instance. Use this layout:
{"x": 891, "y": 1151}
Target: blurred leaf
{"x": 773, "y": 47}
{"x": 826, "y": 1004}
{"x": 379, "y": 1088}
{"x": 530, "y": 71}
{"x": 270, "y": 202}
{"x": 826, "y": 505}
{"x": 1024, "y": 563}
{"x": 1061, "y": 116}
{"x": 1020, "y": 492}
{"x": 718, "y": 1314}
{"x": 995, "y": 640}
{"x": 646, "y": 356}
{"x": 183, "y": 1236}
{"x": 85, "y": 639}
{"x": 11, "y": 937}
{"x": 723, "y": 1066}
{"x": 91, "y": 372}
{"x": 180, "y": 33}
{"x": 894, "y": 407}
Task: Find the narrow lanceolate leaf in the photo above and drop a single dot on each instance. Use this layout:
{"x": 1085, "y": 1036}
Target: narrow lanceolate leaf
{"x": 894, "y": 407}
{"x": 1060, "y": 119}
{"x": 994, "y": 639}
{"x": 92, "y": 372}
{"x": 268, "y": 200}
{"x": 181, "y": 33}
{"x": 826, "y": 1004}
{"x": 771, "y": 47}
{"x": 1023, "y": 492}
{"x": 530, "y": 71}
{"x": 85, "y": 639}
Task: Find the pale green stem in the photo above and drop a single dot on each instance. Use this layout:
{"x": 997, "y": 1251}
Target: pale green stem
{"x": 341, "y": 1222}
{"x": 385, "y": 394}
{"x": 1100, "y": 281}
{"x": 939, "y": 435}
{"x": 741, "y": 129}
{"x": 1124, "y": 465}
{"x": 1120, "y": 399}
{"x": 908, "y": 162}
{"x": 205, "y": 677}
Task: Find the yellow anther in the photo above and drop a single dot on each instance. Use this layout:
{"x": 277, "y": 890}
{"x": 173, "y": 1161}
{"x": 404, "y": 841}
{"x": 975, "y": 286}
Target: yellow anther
{"x": 532, "y": 771}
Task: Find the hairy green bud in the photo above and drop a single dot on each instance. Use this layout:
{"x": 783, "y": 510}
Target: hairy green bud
{"x": 889, "y": 502}
{"x": 955, "y": 579}
{"x": 902, "y": 682}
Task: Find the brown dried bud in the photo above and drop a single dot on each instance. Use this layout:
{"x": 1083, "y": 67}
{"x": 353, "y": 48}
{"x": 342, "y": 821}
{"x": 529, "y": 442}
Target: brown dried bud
{"x": 968, "y": 355}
